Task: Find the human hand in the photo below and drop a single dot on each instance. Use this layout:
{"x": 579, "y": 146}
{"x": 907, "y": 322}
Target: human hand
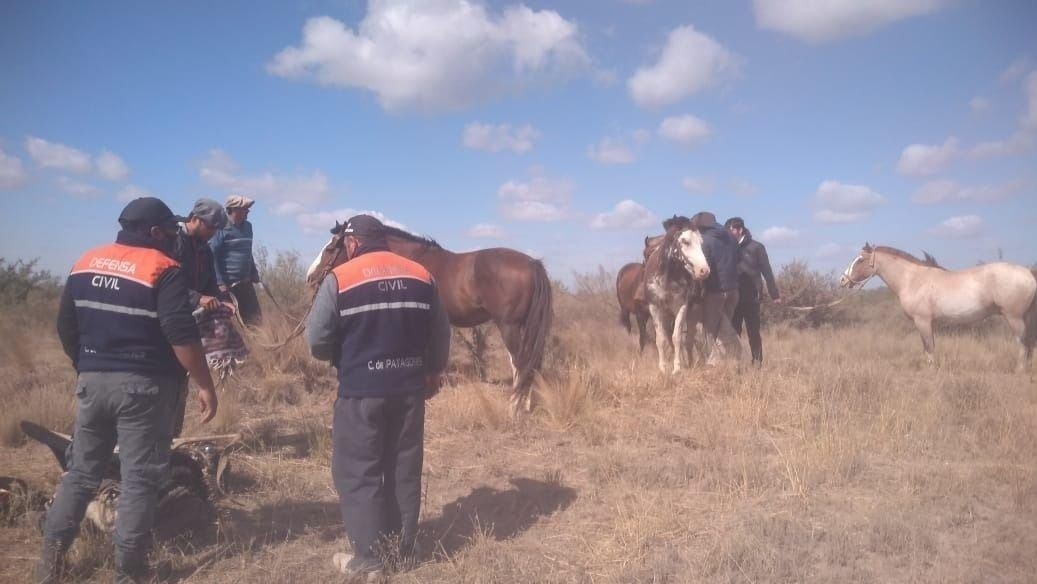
{"x": 209, "y": 402}
{"x": 209, "y": 302}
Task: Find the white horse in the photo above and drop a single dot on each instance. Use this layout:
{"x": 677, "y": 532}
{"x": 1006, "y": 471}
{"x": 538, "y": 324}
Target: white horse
{"x": 670, "y": 273}
{"x": 929, "y": 293}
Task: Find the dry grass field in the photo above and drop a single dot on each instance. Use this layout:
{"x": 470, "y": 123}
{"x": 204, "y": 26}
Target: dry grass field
{"x": 843, "y": 459}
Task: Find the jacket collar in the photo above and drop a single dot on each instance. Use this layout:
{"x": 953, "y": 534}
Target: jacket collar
{"x": 137, "y": 240}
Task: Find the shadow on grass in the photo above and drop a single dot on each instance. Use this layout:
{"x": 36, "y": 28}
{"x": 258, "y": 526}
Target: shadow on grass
{"x": 500, "y": 514}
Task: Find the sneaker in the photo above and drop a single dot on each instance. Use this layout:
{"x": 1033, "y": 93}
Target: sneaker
{"x": 357, "y": 569}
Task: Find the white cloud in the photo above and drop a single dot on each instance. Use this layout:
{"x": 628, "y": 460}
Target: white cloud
{"x": 845, "y": 203}
{"x": 499, "y": 138}
{"x": 486, "y": 231}
{"x": 111, "y": 167}
{"x": 12, "y": 173}
{"x": 57, "y": 156}
{"x": 689, "y": 63}
{"x": 744, "y": 188}
{"x": 686, "y": 130}
{"x": 1029, "y": 119}
{"x": 611, "y": 151}
{"x": 627, "y": 214}
{"x": 435, "y": 54}
{"x": 829, "y": 251}
{"x": 819, "y": 21}
{"x": 698, "y": 186}
{"x": 1015, "y": 70}
{"x": 321, "y": 222}
{"x": 778, "y": 236}
{"x": 285, "y": 193}
{"x": 77, "y": 188}
{"x": 961, "y": 227}
{"x": 926, "y": 160}
{"x": 539, "y": 199}
{"x": 979, "y": 104}
{"x": 1019, "y": 142}
{"x": 943, "y": 191}
{"x": 130, "y": 192}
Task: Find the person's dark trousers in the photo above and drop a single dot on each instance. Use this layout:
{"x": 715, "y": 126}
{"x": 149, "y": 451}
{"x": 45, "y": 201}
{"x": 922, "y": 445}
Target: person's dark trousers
{"x": 748, "y": 311}
{"x": 248, "y": 303}
{"x": 376, "y": 467}
{"x": 137, "y": 411}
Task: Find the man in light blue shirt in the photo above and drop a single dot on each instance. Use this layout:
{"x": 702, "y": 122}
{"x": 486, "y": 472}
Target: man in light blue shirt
{"x": 235, "y": 265}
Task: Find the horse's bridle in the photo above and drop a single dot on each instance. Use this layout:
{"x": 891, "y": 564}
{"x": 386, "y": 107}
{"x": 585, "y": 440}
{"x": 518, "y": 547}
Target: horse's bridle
{"x": 849, "y": 270}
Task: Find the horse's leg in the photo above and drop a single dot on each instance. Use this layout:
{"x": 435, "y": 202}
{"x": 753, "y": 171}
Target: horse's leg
{"x": 925, "y": 330}
{"x": 512, "y": 336}
{"x": 680, "y": 331}
{"x": 661, "y": 337}
{"x": 693, "y": 322}
{"x": 642, "y": 331}
{"x": 1018, "y": 325}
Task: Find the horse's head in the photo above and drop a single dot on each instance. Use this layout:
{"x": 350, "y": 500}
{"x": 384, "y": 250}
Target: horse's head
{"x": 860, "y": 270}
{"x": 330, "y": 256}
{"x": 687, "y": 249}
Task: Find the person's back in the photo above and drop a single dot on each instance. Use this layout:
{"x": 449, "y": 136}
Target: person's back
{"x": 721, "y": 288}
{"x": 721, "y": 251}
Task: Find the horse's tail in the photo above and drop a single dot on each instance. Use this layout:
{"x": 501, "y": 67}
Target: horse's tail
{"x": 624, "y": 318}
{"x": 1030, "y": 318}
{"x": 535, "y": 329}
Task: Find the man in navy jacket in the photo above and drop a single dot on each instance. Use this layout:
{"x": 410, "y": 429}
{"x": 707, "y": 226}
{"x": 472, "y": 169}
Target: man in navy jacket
{"x": 721, "y": 298}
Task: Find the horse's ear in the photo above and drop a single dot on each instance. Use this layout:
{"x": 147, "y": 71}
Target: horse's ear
{"x": 867, "y": 246}
{"x": 336, "y": 228}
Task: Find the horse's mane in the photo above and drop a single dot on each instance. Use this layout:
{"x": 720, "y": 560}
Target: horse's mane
{"x": 677, "y": 222}
{"x": 401, "y": 234}
{"x": 929, "y": 260}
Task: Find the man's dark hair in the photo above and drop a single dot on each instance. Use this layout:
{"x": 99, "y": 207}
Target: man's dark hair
{"x": 735, "y": 222}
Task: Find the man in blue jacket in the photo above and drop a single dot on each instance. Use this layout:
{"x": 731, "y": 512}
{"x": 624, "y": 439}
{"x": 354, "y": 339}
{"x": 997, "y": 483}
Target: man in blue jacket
{"x": 721, "y": 298}
{"x": 378, "y": 319}
{"x": 235, "y": 266}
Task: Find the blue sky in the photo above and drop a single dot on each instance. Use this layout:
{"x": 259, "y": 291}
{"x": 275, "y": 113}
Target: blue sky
{"x": 564, "y": 129}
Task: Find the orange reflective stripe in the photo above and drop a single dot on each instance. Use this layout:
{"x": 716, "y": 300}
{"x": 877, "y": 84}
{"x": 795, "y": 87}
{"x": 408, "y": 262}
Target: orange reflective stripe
{"x": 378, "y": 265}
{"x": 138, "y": 264}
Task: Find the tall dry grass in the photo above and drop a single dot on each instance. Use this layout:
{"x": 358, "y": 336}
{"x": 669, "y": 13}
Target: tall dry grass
{"x": 844, "y": 458}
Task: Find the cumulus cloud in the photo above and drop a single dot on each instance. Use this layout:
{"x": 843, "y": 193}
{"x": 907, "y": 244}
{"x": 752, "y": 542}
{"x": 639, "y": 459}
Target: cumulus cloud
{"x": 498, "y": 138}
{"x": 57, "y": 156}
{"x": 819, "y": 21}
{"x": 1015, "y": 70}
{"x": 743, "y": 187}
{"x": 926, "y": 160}
{"x": 130, "y": 192}
{"x": 686, "y": 130}
{"x": 287, "y": 194}
{"x": 960, "y": 227}
{"x": 436, "y": 54}
{"x": 12, "y": 173}
{"x": 698, "y": 186}
{"x": 779, "y": 236}
{"x": 627, "y": 214}
{"x": 111, "y": 167}
{"x": 539, "y": 199}
{"x": 77, "y": 188}
{"x": 321, "y": 222}
{"x": 611, "y": 151}
{"x": 845, "y": 203}
{"x": 486, "y": 231}
{"x": 689, "y": 63}
{"x": 944, "y": 191}
{"x": 979, "y": 104}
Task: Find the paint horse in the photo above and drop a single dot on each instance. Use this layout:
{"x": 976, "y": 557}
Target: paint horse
{"x": 498, "y": 284}
{"x": 671, "y": 270}
{"x": 930, "y": 294}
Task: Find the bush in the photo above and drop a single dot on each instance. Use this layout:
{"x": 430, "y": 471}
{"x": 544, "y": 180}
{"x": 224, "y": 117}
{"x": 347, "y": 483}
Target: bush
{"x": 21, "y": 282}
{"x": 802, "y": 287}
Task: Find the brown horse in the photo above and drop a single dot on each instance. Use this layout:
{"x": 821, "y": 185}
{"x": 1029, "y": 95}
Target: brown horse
{"x": 497, "y": 284}
{"x": 928, "y": 293}
{"x": 631, "y": 278}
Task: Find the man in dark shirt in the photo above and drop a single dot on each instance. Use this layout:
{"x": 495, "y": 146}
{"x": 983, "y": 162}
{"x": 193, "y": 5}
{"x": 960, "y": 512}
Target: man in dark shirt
{"x": 125, "y": 322}
{"x": 192, "y": 250}
{"x": 378, "y": 319}
{"x": 721, "y": 289}
{"x": 754, "y": 268}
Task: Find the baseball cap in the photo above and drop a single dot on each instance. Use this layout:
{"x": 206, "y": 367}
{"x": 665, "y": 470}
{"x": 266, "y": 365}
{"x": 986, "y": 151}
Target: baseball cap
{"x": 704, "y": 219}
{"x": 238, "y": 201}
{"x": 211, "y": 212}
{"x": 364, "y": 226}
{"x": 148, "y": 212}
